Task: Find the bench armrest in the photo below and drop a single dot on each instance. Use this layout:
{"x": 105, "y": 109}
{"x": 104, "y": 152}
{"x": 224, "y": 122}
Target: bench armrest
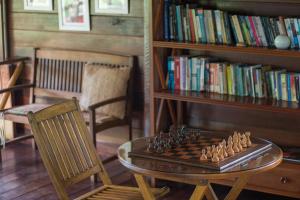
{"x": 17, "y": 87}
{"x": 13, "y": 60}
{"x": 106, "y": 102}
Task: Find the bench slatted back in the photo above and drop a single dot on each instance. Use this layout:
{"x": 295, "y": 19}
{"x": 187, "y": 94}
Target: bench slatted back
{"x": 59, "y": 73}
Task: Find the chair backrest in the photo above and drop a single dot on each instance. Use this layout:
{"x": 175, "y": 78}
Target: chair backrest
{"x": 58, "y": 73}
{"x": 65, "y": 145}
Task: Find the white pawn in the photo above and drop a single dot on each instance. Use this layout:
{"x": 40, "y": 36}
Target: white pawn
{"x": 215, "y": 157}
{"x": 203, "y": 156}
{"x": 244, "y": 141}
{"x": 249, "y": 143}
{"x": 208, "y": 153}
{"x": 235, "y": 139}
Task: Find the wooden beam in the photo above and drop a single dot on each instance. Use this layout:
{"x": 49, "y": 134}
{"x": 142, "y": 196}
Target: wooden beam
{"x": 11, "y": 83}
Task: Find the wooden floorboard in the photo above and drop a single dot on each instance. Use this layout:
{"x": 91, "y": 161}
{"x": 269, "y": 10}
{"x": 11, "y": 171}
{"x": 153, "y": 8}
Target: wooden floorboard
{"x": 23, "y": 177}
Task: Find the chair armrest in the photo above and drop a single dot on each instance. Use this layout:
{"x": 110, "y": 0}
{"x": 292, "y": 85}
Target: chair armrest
{"x": 17, "y": 87}
{"x": 106, "y": 102}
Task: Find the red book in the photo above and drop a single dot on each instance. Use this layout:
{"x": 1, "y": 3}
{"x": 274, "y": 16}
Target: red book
{"x": 192, "y": 28}
{"x": 257, "y": 39}
{"x": 177, "y": 72}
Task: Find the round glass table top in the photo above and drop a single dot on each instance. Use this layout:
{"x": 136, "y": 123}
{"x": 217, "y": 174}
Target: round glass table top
{"x": 266, "y": 160}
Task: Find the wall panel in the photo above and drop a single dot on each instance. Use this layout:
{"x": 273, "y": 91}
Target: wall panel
{"x": 122, "y": 34}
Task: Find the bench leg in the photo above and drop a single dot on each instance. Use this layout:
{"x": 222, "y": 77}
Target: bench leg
{"x": 130, "y": 131}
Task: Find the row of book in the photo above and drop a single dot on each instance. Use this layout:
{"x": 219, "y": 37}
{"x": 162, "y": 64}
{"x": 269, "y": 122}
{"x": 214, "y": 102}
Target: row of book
{"x": 204, "y": 74}
{"x": 189, "y": 23}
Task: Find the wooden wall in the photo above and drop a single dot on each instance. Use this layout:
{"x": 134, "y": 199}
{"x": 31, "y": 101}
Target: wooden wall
{"x": 117, "y": 34}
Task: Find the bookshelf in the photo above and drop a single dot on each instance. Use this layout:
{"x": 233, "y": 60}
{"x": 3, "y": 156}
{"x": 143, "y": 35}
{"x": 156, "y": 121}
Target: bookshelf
{"x": 265, "y": 117}
{"x": 232, "y": 49}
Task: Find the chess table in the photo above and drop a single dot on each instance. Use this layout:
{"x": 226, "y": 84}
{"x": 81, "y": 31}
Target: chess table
{"x": 195, "y": 175}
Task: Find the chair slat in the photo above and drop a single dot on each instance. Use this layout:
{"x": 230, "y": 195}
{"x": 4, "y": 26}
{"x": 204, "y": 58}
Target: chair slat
{"x": 82, "y": 165}
{"x": 61, "y": 147}
{"x": 74, "y": 154}
{"x": 82, "y": 140}
{"x": 56, "y": 149}
{"x": 50, "y": 151}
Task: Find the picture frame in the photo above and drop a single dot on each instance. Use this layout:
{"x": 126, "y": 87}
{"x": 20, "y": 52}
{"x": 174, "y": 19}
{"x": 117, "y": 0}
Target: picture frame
{"x": 74, "y": 15}
{"x": 112, "y": 6}
{"x": 38, "y": 5}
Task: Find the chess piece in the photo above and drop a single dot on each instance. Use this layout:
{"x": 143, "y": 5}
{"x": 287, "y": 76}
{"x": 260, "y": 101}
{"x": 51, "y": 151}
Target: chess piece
{"x": 220, "y": 153}
{"x": 225, "y": 154}
{"x": 213, "y": 149}
{"x": 208, "y": 153}
{"x": 203, "y": 156}
{"x": 235, "y": 139}
{"x": 229, "y": 140}
{"x": 248, "y": 134}
{"x": 244, "y": 141}
{"x": 215, "y": 157}
{"x": 229, "y": 149}
{"x": 240, "y": 142}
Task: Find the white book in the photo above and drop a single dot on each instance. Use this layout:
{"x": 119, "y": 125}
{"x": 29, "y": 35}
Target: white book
{"x": 182, "y": 73}
{"x": 194, "y": 66}
{"x": 202, "y": 71}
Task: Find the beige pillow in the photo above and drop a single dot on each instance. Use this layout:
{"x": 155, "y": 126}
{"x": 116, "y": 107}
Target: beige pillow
{"x": 102, "y": 82}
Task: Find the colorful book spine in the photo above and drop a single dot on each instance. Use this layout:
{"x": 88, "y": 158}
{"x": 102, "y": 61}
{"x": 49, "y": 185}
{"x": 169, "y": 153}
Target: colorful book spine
{"x": 179, "y": 23}
{"x": 183, "y": 66}
{"x": 284, "y": 87}
{"x": 177, "y": 73}
{"x": 200, "y": 14}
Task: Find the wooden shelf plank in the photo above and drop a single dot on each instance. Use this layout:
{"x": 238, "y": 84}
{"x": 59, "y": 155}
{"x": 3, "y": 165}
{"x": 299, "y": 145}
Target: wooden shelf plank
{"x": 261, "y": 104}
{"x": 231, "y": 49}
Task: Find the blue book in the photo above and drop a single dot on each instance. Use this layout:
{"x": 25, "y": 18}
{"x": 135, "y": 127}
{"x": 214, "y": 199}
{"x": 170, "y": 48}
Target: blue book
{"x": 240, "y": 82}
{"x": 200, "y": 15}
{"x": 227, "y": 28}
{"x": 178, "y": 23}
{"x": 288, "y": 87}
{"x": 294, "y": 33}
{"x": 171, "y": 83}
{"x": 166, "y": 20}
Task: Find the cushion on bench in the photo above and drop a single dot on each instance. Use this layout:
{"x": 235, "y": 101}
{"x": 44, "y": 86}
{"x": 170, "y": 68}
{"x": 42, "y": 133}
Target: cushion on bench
{"x": 102, "y": 82}
{"x": 23, "y": 111}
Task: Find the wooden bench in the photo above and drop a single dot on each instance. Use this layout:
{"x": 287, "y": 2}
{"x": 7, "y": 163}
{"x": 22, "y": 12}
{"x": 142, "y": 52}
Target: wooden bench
{"x": 57, "y": 75}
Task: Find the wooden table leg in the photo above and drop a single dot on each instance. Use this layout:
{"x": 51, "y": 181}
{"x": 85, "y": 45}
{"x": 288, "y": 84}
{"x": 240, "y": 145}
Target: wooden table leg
{"x": 199, "y": 192}
{"x": 237, "y": 188}
{"x": 144, "y": 187}
{"x": 210, "y": 194}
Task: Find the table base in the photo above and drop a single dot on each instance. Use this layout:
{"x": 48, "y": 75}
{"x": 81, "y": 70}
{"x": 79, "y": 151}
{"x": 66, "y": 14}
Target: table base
{"x": 200, "y": 191}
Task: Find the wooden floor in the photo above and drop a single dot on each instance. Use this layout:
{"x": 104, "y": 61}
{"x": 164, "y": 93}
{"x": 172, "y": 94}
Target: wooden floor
{"x": 23, "y": 177}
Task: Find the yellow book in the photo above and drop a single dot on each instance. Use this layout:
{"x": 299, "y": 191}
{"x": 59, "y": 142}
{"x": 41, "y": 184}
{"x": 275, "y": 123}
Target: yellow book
{"x": 229, "y": 80}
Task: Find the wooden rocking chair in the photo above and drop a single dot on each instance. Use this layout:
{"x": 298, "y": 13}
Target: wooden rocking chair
{"x": 69, "y": 156}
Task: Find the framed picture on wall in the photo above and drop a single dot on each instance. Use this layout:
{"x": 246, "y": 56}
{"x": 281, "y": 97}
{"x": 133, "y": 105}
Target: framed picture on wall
{"x": 43, "y": 5}
{"x": 111, "y": 6}
{"x": 74, "y": 15}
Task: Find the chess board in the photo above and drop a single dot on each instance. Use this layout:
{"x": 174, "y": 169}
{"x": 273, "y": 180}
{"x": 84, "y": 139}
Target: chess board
{"x": 189, "y": 153}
